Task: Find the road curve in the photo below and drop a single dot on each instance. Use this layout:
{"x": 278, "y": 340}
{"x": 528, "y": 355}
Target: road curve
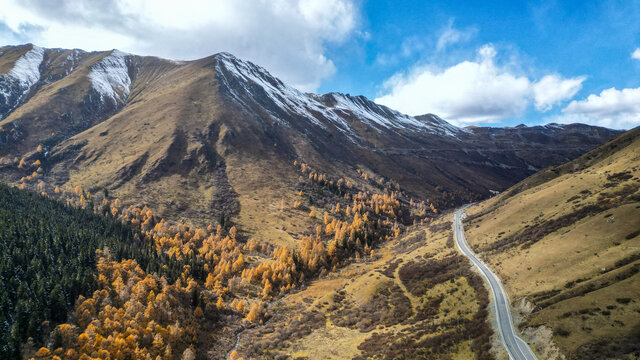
{"x": 516, "y": 347}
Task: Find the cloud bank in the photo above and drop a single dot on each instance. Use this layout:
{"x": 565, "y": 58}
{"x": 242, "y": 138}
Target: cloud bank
{"x": 289, "y": 37}
{"x": 475, "y": 91}
{"x": 619, "y": 109}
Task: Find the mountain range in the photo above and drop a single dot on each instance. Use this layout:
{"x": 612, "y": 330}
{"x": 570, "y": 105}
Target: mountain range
{"x": 218, "y": 212}
{"x": 219, "y": 127}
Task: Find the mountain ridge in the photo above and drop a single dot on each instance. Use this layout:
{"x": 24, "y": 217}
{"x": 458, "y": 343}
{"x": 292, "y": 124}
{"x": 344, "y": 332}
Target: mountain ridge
{"x": 110, "y": 77}
{"x": 128, "y": 123}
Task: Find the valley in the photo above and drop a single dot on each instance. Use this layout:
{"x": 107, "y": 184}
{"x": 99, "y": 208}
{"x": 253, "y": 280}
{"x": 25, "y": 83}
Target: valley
{"x": 515, "y": 346}
{"x": 565, "y": 244}
{"x": 222, "y": 214}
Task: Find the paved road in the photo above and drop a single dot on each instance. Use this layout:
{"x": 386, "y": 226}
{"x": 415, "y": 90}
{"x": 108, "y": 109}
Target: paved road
{"x": 516, "y": 347}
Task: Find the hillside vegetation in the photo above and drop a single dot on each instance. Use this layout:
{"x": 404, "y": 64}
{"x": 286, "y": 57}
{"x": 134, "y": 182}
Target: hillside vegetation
{"x": 566, "y": 244}
{"x": 415, "y": 297}
{"x": 48, "y": 259}
{"x": 214, "y": 137}
{"x": 223, "y": 281}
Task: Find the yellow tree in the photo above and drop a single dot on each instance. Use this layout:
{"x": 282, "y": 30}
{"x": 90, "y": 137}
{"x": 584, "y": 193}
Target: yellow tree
{"x": 220, "y": 304}
{"x": 43, "y": 353}
{"x": 253, "y": 314}
{"x": 267, "y": 289}
{"x": 198, "y": 312}
{"x": 240, "y": 306}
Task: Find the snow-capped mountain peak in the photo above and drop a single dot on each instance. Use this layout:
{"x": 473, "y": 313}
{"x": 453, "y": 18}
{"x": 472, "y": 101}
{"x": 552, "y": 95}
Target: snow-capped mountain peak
{"x": 27, "y": 68}
{"x": 110, "y": 76}
{"x": 19, "y": 80}
{"x": 251, "y": 85}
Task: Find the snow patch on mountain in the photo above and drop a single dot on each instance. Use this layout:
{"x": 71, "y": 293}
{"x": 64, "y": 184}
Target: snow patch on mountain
{"x": 554, "y": 126}
{"x": 255, "y": 82}
{"x": 283, "y": 96}
{"x": 26, "y": 70}
{"x": 379, "y": 115}
{"x": 363, "y": 109}
{"x": 438, "y": 124}
{"x": 72, "y": 61}
{"x": 110, "y": 77}
{"x": 19, "y": 80}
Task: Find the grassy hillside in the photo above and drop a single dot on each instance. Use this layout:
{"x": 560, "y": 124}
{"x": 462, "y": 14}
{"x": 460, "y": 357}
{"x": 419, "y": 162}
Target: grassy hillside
{"x": 415, "y": 297}
{"x": 210, "y": 138}
{"x": 566, "y": 244}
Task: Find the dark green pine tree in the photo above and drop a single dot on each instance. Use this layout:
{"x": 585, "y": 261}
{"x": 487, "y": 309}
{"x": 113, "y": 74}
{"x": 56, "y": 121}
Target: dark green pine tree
{"x": 48, "y": 258}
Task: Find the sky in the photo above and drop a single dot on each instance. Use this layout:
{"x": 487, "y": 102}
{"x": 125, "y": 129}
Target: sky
{"x": 489, "y": 63}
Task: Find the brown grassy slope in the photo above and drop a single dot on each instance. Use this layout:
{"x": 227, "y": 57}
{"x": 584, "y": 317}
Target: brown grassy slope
{"x": 10, "y": 54}
{"x": 415, "y": 297}
{"x": 578, "y": 164}
{"x": 55, "y": 110}
{"x": 425, "y": 163}
{"x": 196, "y": 142}
{"x": 177, "y": 145}
{"x": 568, "y": 240}
{"x": 186, "y": 156}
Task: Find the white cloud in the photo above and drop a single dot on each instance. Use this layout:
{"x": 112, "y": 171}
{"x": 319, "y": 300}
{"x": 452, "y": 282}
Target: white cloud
{"x": 450, "y": 35}
{"x": 289, "y": 37}
{"x": 474, "y": 91}
{"x": 553, "y": 89}
{"x": 636, "y": 54}
{"x": 421, "y": 45}
{"x": 612, "y": 108}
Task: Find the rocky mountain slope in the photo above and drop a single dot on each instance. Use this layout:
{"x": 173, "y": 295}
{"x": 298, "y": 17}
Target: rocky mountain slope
{"x": 216, "y": 137}
{"x": 565, "y": 242}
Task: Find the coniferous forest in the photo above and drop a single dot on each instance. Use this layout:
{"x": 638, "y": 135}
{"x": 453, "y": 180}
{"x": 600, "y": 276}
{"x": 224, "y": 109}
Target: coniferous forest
{"x": 48, "y": 258}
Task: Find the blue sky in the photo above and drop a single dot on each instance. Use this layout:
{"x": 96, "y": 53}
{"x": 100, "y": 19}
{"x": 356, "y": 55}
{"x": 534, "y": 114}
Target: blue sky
{"x": 571, "y": 37}
{"x": 472, "y": 62}
{"x": 594, "y": 40}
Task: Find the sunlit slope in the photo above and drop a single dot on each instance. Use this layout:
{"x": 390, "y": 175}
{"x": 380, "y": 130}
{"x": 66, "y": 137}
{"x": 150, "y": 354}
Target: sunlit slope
{"x": 416, "y": 296}
{"x": 213, "y": 139}
{"x": 179, "y": 148}
{"x": 567, "y": 240}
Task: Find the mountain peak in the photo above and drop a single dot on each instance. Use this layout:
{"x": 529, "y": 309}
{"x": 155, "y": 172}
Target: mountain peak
{"x": 18, "y": 81}
{"x": 252, "y": 86}
{"x": 226, "y": 55}
{"x": 110, "y": 76}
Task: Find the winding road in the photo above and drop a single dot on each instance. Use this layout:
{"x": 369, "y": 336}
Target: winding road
{"x": 516, "y": 347}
